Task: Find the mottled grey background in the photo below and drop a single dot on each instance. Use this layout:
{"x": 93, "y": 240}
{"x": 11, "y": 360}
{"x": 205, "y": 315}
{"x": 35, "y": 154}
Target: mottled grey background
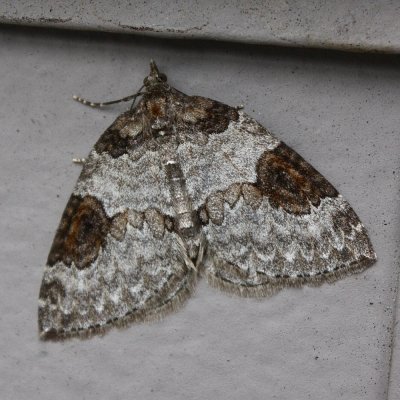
{"x": 340, "y": 111}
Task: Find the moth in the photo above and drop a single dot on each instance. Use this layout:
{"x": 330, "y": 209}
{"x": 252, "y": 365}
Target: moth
{"x": 180, "y": 187}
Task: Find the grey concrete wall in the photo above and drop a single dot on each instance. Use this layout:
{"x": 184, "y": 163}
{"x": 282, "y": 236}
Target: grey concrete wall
{"x": 341, "y": 112}
{"x": 353, "y": 25}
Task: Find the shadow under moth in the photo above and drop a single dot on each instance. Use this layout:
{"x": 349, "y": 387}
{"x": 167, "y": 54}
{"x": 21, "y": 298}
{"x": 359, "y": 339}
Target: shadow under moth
{"x": 184, "y": 186}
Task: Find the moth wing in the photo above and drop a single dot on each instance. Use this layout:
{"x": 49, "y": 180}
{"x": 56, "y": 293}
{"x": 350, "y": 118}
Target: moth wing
{"x": 115, "y": 257}
{"x": 271, "y": 220}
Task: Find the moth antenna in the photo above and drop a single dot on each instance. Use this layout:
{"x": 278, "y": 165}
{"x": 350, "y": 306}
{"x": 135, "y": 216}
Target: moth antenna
{"x": 107, "y": 103}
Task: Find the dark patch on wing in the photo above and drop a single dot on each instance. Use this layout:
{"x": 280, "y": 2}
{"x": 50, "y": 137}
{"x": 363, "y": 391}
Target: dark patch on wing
{"x": 290, "y": 182}
{"x": 82, "y": 232}
{"x": 52, "y": 291}
{"x": 115, "y": 141}
{"x": 205, "y": 115}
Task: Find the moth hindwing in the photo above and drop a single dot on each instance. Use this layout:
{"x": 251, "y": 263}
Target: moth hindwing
{"x": 180, "y": 186}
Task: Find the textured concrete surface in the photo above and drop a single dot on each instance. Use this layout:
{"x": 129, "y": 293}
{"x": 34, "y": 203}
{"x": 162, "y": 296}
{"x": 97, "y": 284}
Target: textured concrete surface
{"x": 394, "y": 381}
{"x": 341, "y": 112}
{"x": 354, "y": 25}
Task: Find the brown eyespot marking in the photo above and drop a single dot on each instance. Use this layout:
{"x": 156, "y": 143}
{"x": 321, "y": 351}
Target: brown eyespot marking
{"x": 82, "y": 232}
{"x": 290, "y": 182}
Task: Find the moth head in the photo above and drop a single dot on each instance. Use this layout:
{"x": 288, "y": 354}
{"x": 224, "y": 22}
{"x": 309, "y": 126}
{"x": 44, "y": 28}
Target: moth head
{"x": 155, "y": 77}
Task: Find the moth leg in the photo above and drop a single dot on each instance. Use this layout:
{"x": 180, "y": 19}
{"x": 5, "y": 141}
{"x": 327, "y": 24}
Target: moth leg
{"x": 183, "y": 252}
{"x": 201, "y": 244}
{"x": 239, "y": 107}
{"x": 79, "y": 161}
{"x": 202, "y": 250}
